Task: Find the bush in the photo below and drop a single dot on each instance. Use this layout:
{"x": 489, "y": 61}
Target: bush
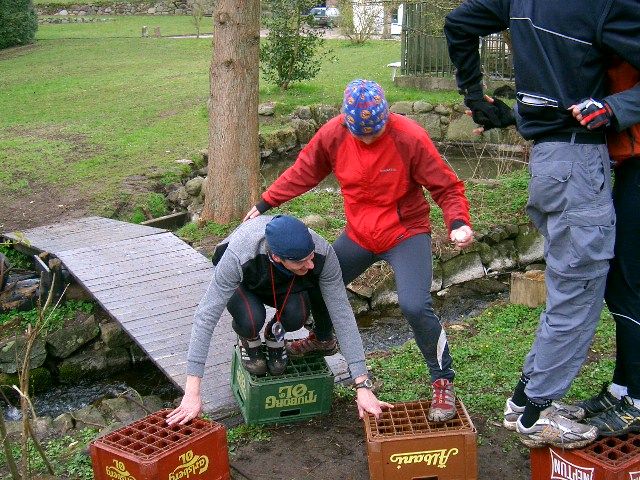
{"x": 18, "y": 23}
{"x": 290, "y": 52}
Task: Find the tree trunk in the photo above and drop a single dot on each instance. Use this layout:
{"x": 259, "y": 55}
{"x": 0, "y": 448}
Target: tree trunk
{"x": 234, "y": 156}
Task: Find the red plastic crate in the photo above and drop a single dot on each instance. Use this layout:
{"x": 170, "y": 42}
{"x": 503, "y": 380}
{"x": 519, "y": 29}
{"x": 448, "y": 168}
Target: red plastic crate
{"x": 611, "y": 458}
{"x": 149, "y": 449}
{"x": 402, "y": 444}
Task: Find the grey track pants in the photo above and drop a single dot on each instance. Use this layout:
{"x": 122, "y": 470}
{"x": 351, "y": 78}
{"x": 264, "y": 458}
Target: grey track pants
{"x": 570, "y": 204}
{"x": 411, "y": 261}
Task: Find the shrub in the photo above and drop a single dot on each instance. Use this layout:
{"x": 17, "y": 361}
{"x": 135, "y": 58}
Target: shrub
{"x": 360, "y": 21}
{"x": 18, "y": 23}
{"x": 290, "y": 52}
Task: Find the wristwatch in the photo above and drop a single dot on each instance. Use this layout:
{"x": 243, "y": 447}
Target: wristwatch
{"x": 366, "y": 383}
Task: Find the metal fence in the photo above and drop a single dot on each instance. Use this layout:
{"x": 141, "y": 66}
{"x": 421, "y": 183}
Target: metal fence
{"x": 426, "y": 54}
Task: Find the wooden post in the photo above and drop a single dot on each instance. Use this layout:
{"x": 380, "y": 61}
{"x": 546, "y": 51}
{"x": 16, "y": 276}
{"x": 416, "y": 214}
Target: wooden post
{"x": 156, "y": 32}
{"x": 528, "y": 288}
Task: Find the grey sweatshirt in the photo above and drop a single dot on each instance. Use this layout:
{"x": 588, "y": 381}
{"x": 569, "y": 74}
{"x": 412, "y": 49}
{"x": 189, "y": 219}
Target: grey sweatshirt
{"x": 245, "y": 245}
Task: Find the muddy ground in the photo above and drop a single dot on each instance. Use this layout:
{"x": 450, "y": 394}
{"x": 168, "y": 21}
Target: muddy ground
{"x": 334, "y": 447}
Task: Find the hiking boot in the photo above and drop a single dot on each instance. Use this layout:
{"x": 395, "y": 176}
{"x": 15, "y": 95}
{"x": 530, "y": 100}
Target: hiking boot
{"x": 277, "y": 359}
{"x": 623, "y": 418}
{"x": 312, "y": 346}
{"x": 443, "y": 402}
{"x": 555, "y": 430}
{"x": 252, "y": 356}
{"x": 602, "y": 402}
{"x": 512, "y": 412}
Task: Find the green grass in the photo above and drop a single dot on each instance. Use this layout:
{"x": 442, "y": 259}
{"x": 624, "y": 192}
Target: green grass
{"x": 76, "y": 2}
{"x": 243, "y": 434}
{"x": 152, "y": 205}
{"x": 91, "y": 104}
{"x": 66, "y": 454}
{"x": 128, "y": 26}
{"x": 54, "y": 318}
{"x": 488, "y": 208}
{"x": 488, "y": 355}
{"x": 18, "y": 260}
{"x": 192, "y": 233}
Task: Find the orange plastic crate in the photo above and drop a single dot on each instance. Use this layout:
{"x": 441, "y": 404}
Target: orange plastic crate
{"x": 403, "y": 445}
{"x": 611, "y": 458}
{"x": 149, "y": 449}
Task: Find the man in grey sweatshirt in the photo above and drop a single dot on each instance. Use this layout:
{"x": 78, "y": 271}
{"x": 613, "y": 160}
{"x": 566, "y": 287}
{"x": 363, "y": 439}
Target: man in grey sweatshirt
{"x": 279, "y": 262}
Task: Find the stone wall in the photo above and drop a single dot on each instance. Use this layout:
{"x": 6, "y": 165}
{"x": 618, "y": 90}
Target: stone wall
{"x": 444, "y": 123}
{"x": 162, "y": 7}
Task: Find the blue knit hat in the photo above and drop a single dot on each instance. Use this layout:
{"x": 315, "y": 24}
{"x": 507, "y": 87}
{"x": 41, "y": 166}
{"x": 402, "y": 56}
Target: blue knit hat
{"x": 365, "y": 109}
{"x": 288, "y": 238}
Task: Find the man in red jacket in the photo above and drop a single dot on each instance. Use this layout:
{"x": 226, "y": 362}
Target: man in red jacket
{"x": 382, "y": 161}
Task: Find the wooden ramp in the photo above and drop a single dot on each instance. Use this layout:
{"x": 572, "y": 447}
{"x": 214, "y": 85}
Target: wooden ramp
{"x": 150, "y": 282}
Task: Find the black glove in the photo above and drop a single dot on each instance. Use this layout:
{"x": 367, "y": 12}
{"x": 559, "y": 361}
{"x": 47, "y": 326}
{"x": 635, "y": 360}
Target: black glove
{"x": 597, "y": 114}
{"x": 489, "y": 115}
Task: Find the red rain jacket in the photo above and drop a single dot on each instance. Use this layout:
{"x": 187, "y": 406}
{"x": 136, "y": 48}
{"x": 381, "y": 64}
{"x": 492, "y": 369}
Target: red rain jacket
{"x": 381, "y": 183}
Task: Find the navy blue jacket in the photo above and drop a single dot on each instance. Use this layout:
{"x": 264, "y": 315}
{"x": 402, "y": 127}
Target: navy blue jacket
{"x": 560, "y": 48}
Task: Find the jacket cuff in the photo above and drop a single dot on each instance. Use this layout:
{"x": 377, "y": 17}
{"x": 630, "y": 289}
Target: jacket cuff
{"x": 458, "y": 223}
{"x": 195, "y": 369}
{"x": 262, "y": 206}
{"x": 358, "y": 368}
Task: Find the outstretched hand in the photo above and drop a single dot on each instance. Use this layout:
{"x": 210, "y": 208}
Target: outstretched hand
{"x": 189, "y": 408}
{"x": 253, "y": 213}
{"x": 191, "y": 404}
{"x": 369, "y": 403}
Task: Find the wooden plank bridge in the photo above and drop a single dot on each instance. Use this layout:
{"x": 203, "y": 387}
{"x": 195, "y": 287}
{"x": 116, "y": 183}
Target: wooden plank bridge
{"x": 150, "y": 282}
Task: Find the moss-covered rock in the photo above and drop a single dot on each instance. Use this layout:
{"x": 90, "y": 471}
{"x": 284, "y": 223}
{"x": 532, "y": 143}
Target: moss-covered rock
{"x": 462, "y": 269}
{"x": 94, "y": 364}
{"x": 73, "y": 335}
{"x": 431, "y": 123}
{"x": 12, "y": 350}
{"x": 530, "y": 245}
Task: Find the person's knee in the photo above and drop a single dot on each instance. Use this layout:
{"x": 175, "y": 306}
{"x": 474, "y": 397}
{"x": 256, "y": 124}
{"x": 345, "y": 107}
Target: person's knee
{"x": 419, "y": 314}
{"x": 294, "y": 317}
{"x": 247, "y": 329}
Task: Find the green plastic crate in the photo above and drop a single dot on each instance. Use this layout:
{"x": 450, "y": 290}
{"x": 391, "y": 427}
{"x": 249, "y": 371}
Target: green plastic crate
{"x": 304, "y": 390}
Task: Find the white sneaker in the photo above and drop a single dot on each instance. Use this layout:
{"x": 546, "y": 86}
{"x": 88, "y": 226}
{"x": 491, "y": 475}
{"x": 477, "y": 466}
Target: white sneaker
{"x": 555, "y": 430}
{"x": 512, "y": 412}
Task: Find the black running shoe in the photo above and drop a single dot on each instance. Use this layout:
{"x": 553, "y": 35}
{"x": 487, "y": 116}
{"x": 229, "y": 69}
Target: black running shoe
{"x": 602, "y": 402}
{"x": 624, "y": 418}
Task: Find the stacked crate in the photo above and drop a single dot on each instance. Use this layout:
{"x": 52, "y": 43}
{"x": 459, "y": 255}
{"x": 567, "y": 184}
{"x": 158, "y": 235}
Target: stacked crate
{"x": 149, "y": 449}
{"x": 402, "y": 444}
{"x": 611, "y": 458}
{"x": 304, "y": 390}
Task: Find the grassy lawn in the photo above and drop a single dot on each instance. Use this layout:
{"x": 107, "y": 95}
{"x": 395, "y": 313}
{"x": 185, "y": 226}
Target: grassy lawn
{"x": 125, "y": 26}
{"x": 488, "y": 352}
{"x": 91, "y": 104}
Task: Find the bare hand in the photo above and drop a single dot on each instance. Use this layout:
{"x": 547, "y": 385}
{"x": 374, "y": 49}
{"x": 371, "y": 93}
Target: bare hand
{"x": 253, "y": 213}
{"x": 189, "y": 408}
{"x": 462, "y": 236}
{"x": 367, "y": 402}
